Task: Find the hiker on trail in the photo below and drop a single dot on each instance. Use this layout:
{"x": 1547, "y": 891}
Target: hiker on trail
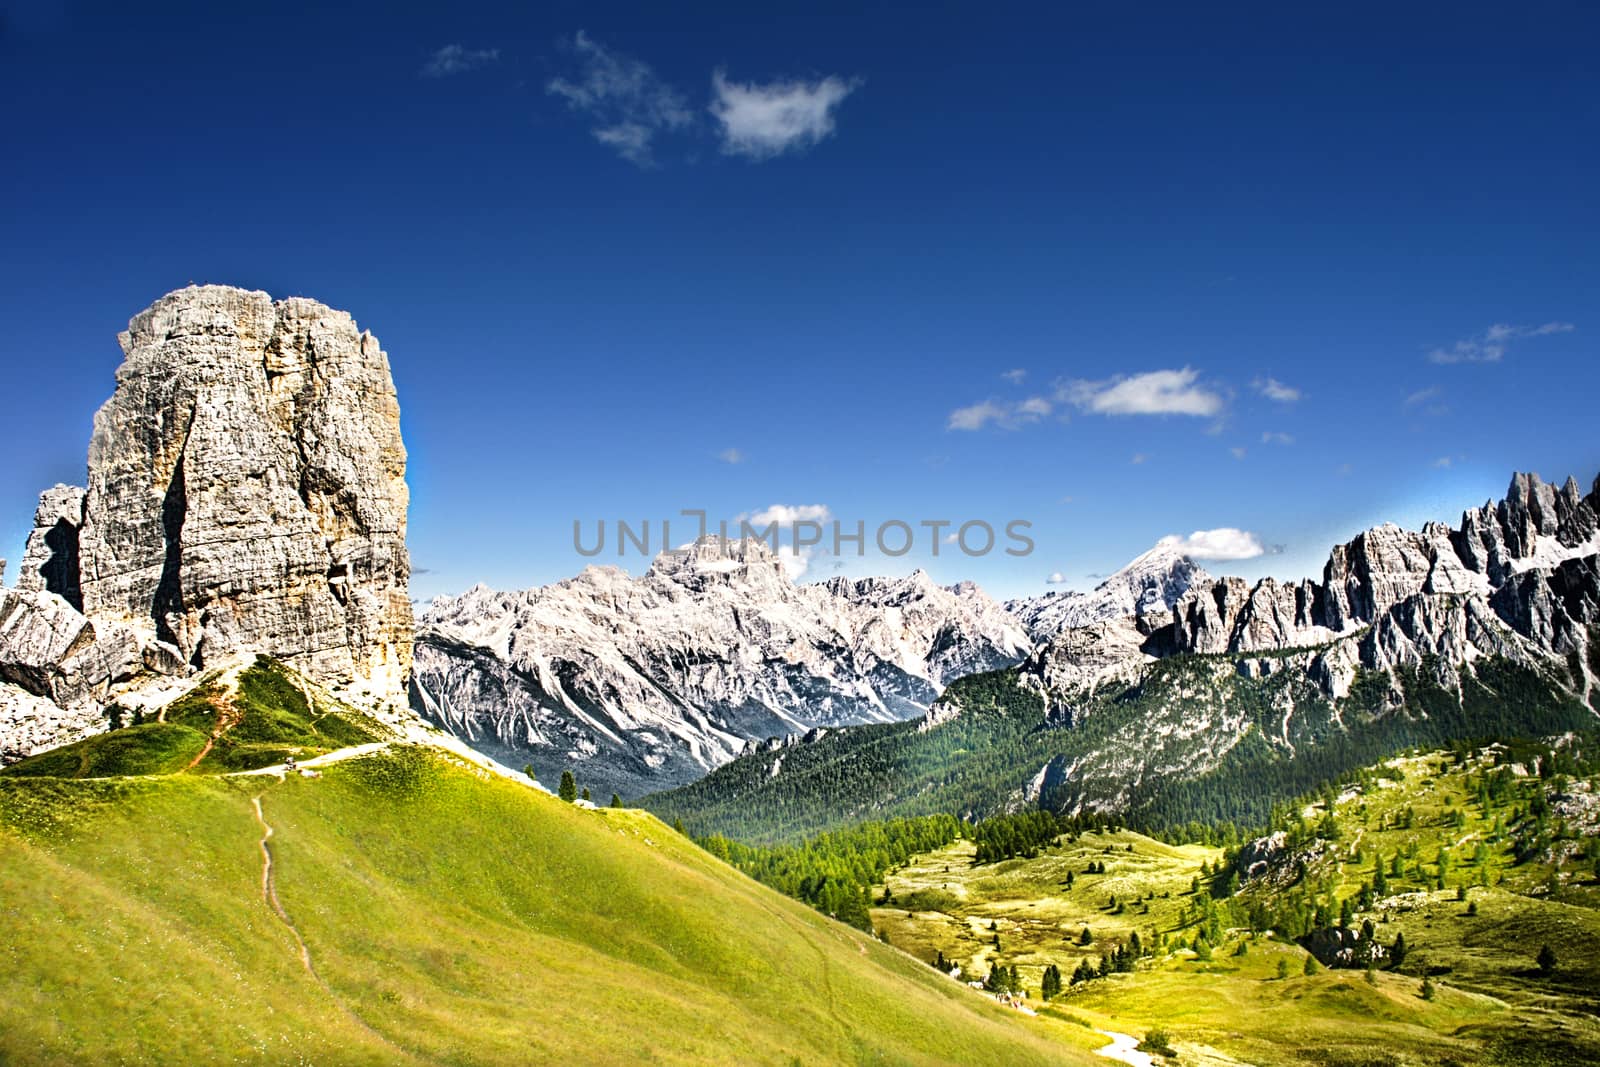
{"x": 288, "y": 763}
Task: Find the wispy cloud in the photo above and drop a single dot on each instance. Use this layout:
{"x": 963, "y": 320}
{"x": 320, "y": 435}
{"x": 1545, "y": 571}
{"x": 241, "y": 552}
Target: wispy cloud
{"x": 1138, "y": 458}
{"x": 1272, "y": 437}
{"x": 1160, "y": 392}
{"x": 1223, "y": 543}
{"x": 1056, "y": 578}
{"x": 1273, "y": 389}
{"x": 1429, "y": 402}
{"x": 458, "y": 59}
{"x": 1005, "y": 415}
{"x": 731, "y": 455}
{"x": 1237, "y": 451}
{"x": 785, "y": 514}
{"x": 1491, "y": 345}
{"x": 629, "y": 105}
{"x": 1015, "y": 377}
{"x": 763, "y": 121}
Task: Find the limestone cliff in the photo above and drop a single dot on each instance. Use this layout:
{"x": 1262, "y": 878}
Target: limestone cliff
{"x": 246, "y": 492}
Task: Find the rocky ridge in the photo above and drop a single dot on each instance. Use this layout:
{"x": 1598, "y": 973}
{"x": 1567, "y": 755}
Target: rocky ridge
{"x": 652, "y": 681}
{"x": 1515, "y": 586}
{"x": 246, "y": 492}
{"x": 1517, "y": 579}
{"x": 1150, "y": 585}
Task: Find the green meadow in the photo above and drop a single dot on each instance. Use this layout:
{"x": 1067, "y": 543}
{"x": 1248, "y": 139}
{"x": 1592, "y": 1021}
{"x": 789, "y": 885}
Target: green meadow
{"x": 447, "y": 916}
{"x": 1474, "y": 929}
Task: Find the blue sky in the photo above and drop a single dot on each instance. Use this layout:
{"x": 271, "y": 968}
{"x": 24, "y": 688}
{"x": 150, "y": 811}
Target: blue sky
{"x": 1288, "y": 272}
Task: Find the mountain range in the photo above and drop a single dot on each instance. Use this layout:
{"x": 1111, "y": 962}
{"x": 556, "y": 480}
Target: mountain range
{"x": 639, "y": 683}
{"x": 1238, "y": 696}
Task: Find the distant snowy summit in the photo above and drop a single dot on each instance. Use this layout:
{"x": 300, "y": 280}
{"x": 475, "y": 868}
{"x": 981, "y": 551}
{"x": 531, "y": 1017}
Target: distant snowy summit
{"x": 1151, "y": 584}
{"x": 649, "y": 682}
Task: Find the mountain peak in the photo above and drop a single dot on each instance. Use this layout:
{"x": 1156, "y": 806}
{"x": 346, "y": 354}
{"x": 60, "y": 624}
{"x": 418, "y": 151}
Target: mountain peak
{"x": 1152, "y": 581}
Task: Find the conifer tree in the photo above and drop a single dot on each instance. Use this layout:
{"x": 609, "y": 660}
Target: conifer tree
{"x": 586, "y": 795}
{"x": 1311, "y": 965}
{"x": 616, "y": 801}
{"x": 1086, "y": 938}
{"x": 1546, "y": 961}
{"x": 569, "y": 787}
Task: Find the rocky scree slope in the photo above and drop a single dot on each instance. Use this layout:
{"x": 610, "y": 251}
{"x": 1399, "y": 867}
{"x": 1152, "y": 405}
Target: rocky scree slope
{"x": 246, "y": 492}
{"x": 652, "y": 681}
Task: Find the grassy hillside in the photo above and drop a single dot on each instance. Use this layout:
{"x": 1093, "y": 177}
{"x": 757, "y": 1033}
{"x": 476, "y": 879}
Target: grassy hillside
{"x": 439, "y": 915}
{"x": 1210, "y": 976}
{"x": 1196, "y": 740}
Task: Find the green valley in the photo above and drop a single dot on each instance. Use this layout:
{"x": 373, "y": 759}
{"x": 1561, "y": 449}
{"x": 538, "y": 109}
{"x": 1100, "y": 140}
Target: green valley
{"x": 1191, "y": 742}
{"x": 1488, "y": 860}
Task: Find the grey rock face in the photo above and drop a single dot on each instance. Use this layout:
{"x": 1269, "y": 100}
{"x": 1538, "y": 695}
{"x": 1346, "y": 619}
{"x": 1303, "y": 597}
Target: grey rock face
{"x": 1520, "y": 580}
{"x": 247, "y": 488}
{"x": 652, "y": 681}
{"x": 246, "y": 492}
{"x": 50, "y": 560}
{"x": 30, "y": 723}
{"x": 52, "y": 651}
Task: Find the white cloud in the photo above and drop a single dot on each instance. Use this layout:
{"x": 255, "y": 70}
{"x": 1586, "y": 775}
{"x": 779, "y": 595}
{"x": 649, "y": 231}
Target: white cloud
{"x": 1238, "y": 451}
{"x": 1491, "y": 345}
{"x": 731, "y": 455}
{"x": 794, "y": 563}
{"x": 625, "y": 99}
{"x": 1273, "y": 438}
{"x": 1223, "y": 543}
{"x": 1160, "y": 392}
{"x": 1056, "y": 578}
{"x": 1422, "y": 396}
{"x": 762, "y": 121}
{"x": 1004, "y": 415}
{"x": 976, "y": 416}
{"x": 1138, "y": 458}
{"x": 1015, "y": 376}
{"x": 1273, "y": 389}
{"x": 458, "y": 59}
{"x": 785, "y": 514}
{"x": 1442, "y": 461}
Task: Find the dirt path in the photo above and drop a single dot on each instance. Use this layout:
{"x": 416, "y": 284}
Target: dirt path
{"x": 228, "y": 716}
{"x": 269, "y": 894}
{"x": 279, "y": 770}
{"x": 1124, "y": 1049}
